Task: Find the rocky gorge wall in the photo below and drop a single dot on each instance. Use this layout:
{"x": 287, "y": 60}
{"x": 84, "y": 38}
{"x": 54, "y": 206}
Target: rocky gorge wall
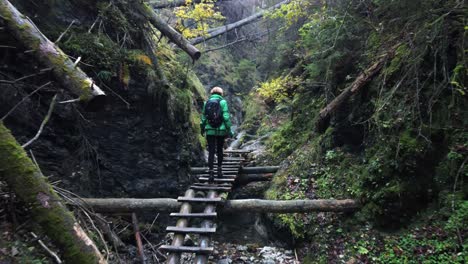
{"x": 141, "y": 142}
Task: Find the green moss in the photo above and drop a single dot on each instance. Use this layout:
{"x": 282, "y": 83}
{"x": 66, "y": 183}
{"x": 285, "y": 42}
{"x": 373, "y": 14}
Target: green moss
{"x": 32, "y": 188}
{"x": 401, "y": 55}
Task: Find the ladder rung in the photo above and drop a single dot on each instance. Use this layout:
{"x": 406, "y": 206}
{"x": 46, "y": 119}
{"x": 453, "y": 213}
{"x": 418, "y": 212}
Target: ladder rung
{"x": 195, "y": 215}
{"x": 217, "y": 180}
{"x": 224, "y": 175}
{"x": 210, "y": 188}
{"x": 237, "y": 151}
{"x": 191, "y": 230}
{"x": 199, "y": 200}
{"x": 213, "y": 185}
{"x": 182, "y": 249}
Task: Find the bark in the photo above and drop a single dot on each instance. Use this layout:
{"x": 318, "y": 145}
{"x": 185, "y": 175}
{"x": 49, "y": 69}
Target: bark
{"x": 365, "y": 77}
{"x": 64, "y": 70}
{"x": 47, "y": 209}
{"x": 213, "y": 33}
{"x": 243, "y": 170}
{"x": 125, "y": 205}
{"x": 168, "y": 31}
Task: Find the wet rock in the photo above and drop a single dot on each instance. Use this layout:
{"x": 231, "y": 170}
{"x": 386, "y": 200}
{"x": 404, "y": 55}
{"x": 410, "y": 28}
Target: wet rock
{"x": 225, "y": 261}
{"x": 241, "y": 248}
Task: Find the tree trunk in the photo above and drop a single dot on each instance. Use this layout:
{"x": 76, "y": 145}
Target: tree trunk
{"x": 365, "y": 77}
{"x": 70, "y": 76}
{"x": 31, "y": 187}
{"x": 168, "y": 31}
{"x": 213, "y": 33}
{"x": 126, "y": 205}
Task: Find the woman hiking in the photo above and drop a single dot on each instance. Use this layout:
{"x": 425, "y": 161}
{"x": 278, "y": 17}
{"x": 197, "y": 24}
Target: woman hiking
{"x": 216, "y": 123}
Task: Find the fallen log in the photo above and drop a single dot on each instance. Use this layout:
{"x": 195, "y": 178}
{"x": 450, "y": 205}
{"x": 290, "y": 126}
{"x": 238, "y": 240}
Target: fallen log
{"x": 28, "y": 183}
{"x": 125, "y": 205}
{"x": 290, "y": 206}
{"x": 365, "y": 77}
{"x": 214, "y": 32}
{"x": 64, "y": 70}
{"x": 168, "y": 31}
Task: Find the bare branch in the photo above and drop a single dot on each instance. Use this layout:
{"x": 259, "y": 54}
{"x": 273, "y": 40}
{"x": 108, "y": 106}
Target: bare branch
{"x": 44, "y": 122}
{"x": 22, "y": 100}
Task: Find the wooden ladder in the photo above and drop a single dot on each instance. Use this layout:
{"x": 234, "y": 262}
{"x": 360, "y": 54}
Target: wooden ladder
{"x": 214, "y": 194}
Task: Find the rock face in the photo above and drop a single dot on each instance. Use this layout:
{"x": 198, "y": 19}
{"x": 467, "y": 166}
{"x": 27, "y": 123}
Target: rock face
{"x": 139, "y": 144}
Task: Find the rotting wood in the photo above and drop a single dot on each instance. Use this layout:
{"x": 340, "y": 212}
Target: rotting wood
{"x": 123, "y": 205}
{"x": 64, "y": 70}
{"x": 58, "y": 223}
{"x": 365, "y": 77}
{"x": 168, "y": 31}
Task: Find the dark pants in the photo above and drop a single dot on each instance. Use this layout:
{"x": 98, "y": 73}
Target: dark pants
{"x": 215, "y": 143}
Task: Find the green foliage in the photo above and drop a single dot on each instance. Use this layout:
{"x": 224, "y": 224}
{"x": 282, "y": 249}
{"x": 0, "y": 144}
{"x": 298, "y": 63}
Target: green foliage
{"x": 244, "y": 74}
{"x": 292, "y": 12}
{"x": 255, "y": 113}
{"x": 202, "y": 14}
{"x": 279, "y": 89}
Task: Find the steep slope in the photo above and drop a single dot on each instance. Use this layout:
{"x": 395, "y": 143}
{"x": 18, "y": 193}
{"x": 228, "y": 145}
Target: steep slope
{"x": 141, "y": 141}
{"x": 398, "y": 144}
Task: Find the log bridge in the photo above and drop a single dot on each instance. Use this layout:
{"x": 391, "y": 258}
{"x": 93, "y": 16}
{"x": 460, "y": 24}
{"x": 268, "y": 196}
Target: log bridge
{"x": 199, "y": 207}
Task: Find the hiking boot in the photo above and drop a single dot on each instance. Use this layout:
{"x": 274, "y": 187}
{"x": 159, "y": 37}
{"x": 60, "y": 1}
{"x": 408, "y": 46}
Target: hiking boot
{"x": 210, "y": 176}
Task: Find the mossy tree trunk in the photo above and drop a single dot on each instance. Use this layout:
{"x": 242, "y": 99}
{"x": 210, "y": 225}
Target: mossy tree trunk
{"x": 51, "y": 56}
{"x": 21, "y": 174}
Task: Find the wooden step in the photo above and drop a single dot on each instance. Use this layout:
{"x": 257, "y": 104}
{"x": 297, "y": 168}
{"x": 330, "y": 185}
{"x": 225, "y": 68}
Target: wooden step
{"x": 199, "y": 200}
{"x": 182, "y": 249}
{"x": 191, "y": 230}
{"x": 210, "y": 188}
{"x": 233, "y": 159}
{"x": 213, "y": 185}
{"x": 205, "y": 179}
{"x": 195, "y": 215}
{"x": 237, "y": 151}
{"x": 225, "y": 175}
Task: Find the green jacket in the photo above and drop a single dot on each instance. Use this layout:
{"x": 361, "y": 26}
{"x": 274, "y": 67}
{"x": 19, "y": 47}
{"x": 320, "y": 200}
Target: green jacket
{"x": 225, "y": 128}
